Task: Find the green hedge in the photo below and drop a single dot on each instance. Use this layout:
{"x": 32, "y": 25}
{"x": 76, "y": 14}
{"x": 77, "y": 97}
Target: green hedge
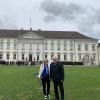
{"x": 72, "y": 63}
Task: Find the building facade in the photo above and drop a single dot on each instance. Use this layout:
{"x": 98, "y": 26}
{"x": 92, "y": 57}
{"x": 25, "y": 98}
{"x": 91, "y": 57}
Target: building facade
{"x": 22, "y": 45}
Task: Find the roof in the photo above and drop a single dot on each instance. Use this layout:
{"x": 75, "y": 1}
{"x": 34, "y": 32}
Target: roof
{"x": 62, "y": 35}
{"x": 46, "y": 34}
{"x": 11, "y": 33}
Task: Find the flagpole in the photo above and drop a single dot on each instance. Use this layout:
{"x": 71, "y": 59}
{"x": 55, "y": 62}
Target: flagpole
{"x": 30, "y": 23}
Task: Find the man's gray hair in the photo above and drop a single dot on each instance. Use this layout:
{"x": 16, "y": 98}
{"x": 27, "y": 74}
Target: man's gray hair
{"x": 55, "y": 58}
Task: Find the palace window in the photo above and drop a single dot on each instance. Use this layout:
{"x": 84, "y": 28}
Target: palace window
{"x": 87, "y": 58}
{"x": 58, "y": 46}
{"x": 30, "y": 46}
{"x": 1, "y": 56}
{"x": 71, "y": 46}
{"x": 52, "y": 40}
{"x": 38, "y": 57}
{"x": 86, "y": 47}
{"x": 8, "y": 45}
{"x": 79, "y": 47}
{"x": 71, "y": 57}
{"x": 65, "y": 57}
{"x": 14, "y": 56}
{"x": 1, "y": 45}
{"x": 65, "y": 46}
{"x": 23, "y": 46}
{"x": 52, "y": 56}
{"x": 8, "y": 55}
{"x": 52, "y": 46}
{"x": 45, "y": 46}
{"x": 45, "y": 56}
{"x": 93, "y": 47}
{"x": 15, "y": 46}
{"x": 94, "y": 56}
{"x": 80, "y": 57}
{"x": 59, "y": 57}
{"x": 23, "y": 57}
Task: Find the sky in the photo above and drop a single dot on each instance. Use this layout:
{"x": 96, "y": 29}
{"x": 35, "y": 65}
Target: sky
{"x": 55, "y": 15}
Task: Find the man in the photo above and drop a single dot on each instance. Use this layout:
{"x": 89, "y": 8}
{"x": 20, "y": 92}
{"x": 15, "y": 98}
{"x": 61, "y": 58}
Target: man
{"x": 57, "y": 75}
{"x": 44, "y": 75}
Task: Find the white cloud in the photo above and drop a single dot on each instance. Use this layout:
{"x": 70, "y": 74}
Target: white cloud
{"x": 67, "y": 15}
{"x": 84, "y": 17}
{"x": 61, "y": 10}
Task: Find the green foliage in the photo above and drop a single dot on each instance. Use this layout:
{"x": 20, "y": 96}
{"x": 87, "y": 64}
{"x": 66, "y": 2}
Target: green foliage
{"x": 20, "y": 83}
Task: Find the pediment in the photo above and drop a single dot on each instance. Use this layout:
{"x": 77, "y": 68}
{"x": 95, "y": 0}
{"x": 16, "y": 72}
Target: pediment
{"x": 31, "y": 35}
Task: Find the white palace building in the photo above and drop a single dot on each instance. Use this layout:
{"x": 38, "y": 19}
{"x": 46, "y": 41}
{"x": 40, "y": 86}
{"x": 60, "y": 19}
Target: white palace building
{"x": 69, "y": 46}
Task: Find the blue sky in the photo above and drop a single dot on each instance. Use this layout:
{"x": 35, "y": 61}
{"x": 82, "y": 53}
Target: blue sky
{"x": 64, "y": 15}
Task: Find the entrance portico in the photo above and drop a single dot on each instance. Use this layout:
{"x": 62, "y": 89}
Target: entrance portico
{"x": 32, "y": 46}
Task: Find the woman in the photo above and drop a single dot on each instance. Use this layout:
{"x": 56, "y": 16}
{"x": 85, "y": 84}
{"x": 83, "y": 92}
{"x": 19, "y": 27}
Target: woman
{"x": 44, "y": 75}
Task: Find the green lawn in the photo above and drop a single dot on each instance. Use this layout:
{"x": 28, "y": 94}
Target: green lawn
{"x": 19, "y": 83}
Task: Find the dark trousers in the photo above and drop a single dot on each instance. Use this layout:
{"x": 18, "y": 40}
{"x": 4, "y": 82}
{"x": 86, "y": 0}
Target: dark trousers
{"x": 46, "y": 86}
{"x": 61, "y": 88}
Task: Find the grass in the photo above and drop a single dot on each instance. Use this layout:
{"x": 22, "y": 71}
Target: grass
{"x": 19, "y": 83}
